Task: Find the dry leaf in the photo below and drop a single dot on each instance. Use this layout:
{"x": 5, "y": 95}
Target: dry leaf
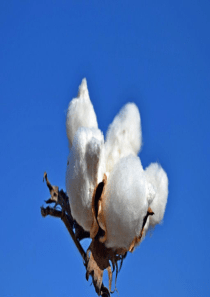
{"x": 53, "y": 189}
{"x": 97, "y": 261}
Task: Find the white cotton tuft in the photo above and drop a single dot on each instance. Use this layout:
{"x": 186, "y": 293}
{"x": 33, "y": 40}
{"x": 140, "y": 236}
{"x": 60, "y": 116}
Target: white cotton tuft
{"x": 150, "y": 192}
{"x": 156, "y": 176}
{"x": 84, "y": 171}
{"x": 125, "y": 202}
{"x": 124, "y": 135}
{"x": 80, "y": 113}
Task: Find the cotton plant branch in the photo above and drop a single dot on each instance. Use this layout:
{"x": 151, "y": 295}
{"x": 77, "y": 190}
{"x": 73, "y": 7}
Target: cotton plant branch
{"x": 114, "y": 200}
{"x": 61, "y": 209}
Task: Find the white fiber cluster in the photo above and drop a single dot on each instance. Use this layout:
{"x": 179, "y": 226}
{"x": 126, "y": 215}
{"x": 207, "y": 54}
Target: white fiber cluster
{"x": 80, "y": 113}
{"x": 84, "y": 173}
{"x": 125, "y": 202}
{"x": 130, "y": 192}
{"x": 124, "y": 135}
{"x": 158, "y": 178}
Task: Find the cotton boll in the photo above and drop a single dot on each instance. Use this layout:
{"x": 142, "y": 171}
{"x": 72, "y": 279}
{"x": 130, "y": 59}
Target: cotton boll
{"x": 124, "y": 135}
{"x": 80, "y": 113}
{"x": 125, "y": 203}
{"x": 158, "y": 178}
{"x": 84, "y": 171}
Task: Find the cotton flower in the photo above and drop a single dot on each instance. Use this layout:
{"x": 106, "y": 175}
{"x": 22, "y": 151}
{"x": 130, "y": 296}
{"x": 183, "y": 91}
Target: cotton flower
{"x": 130, "y": 194}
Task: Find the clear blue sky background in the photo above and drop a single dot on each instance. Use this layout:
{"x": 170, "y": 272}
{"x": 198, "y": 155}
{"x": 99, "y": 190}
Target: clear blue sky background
{"x": 154, "y": 53}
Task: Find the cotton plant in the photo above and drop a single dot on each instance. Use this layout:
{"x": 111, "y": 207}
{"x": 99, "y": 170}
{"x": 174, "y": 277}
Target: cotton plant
{"x": 110, "y": 194}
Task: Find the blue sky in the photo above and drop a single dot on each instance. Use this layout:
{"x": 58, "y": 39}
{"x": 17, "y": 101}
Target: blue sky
{"x": 153, "y": 53}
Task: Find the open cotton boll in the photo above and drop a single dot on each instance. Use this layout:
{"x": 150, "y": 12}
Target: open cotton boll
{"x": 125, "y": 203}
{"x": 80, "y": 113}
{"x": 158, "y": 178}
{"x": 84, "y": 171}
{"x": 124, "y": 135}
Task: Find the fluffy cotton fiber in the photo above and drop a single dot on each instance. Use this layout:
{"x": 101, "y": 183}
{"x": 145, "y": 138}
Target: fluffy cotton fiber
{"x": 80, "y": 113}
{"x": 84, "y": 172}
{"x": 124, "y": 135}
{"x": 125, "y": 202}
{"x": 158, "y": 178}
